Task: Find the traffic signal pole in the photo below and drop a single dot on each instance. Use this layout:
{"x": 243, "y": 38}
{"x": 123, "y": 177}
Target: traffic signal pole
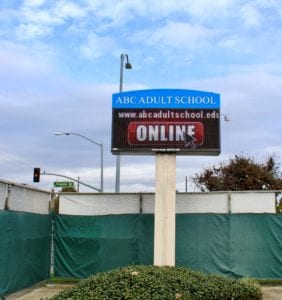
{"x": 36, "y": 175}
{"x": 78, "y": 181}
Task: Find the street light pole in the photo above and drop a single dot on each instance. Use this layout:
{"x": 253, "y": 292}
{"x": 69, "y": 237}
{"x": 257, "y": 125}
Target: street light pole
{"x": 122, "y": 66}
{"x": 101, "y": 154}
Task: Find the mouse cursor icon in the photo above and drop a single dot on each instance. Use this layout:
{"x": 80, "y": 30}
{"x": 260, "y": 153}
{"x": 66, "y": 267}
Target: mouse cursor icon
{"x": 189, "y": 140}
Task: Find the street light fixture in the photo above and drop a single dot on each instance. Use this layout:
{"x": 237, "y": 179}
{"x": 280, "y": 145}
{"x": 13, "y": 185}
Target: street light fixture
{"x": 92, "y": 141}
{"x": 127, "y": 66}
{"x": 226, "y": 117}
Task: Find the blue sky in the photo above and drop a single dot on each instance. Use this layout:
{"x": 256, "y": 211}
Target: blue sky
{"x": 59, "y": 65}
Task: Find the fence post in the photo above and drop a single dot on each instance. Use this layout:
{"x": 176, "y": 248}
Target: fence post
{"x": 7, "y": 196}
{"x": 229, "y": 202}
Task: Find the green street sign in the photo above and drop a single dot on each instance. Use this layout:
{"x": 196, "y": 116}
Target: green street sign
{"x": 64, "y": 184}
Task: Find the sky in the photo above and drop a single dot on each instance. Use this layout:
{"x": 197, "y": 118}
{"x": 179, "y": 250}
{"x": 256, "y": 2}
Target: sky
{"x": 60, "y": 65}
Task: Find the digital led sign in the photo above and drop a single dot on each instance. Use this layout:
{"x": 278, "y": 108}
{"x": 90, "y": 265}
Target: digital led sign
{"x": 166, "y": 120}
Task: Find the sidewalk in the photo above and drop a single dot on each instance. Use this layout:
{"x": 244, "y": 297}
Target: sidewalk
{"x": 38, "y": 292}
{"x": 271, "y": 292}
{"x": 45, "y": 291}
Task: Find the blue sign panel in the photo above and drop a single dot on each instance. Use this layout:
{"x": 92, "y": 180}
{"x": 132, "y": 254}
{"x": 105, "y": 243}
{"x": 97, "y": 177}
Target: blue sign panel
{"x": 186, "y": 122}
{"x": 166, "y": 98}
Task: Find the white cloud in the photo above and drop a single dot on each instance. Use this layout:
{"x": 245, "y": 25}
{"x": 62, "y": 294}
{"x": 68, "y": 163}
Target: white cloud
{"x": 180, "y": 35}
{"x": 67, "y": 9}
{"x": 251, "y": 16}
{"x": 40, "y": 17}
{"x": 32, "y": 31}
{"x": 112, "y": 14}
{"x": 230, "y": 42}
{"x": 97, "y": 46}
{"x": 9, "y": 158}
{"x": 34, "y": 3}
{"x": 116, "y": 13}
{"x": 39, "y": 21}
{"x": 137, "y": 175}
{"x": 209, "y": 8}
{"x": 199, "y": 11}
{"x": 20, "y": 64}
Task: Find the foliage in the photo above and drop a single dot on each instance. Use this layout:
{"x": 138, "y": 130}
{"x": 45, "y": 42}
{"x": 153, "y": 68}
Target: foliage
{"x": 68, "y": 190}
{"x": 241, "y": 173}
{"x": 279, "y": 203}
{"x": 152, "y": 282}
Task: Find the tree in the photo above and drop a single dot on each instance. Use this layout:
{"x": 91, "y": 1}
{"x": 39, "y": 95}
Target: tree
{"x": 241, "y": 173}
{"x": 69, "y": 189}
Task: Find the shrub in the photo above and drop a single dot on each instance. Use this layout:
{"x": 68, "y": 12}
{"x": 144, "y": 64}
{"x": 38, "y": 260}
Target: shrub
{"x": 152, "y": 282}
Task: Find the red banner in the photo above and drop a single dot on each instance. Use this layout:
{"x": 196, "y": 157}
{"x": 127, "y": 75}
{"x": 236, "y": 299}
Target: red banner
{"x": 155, "y": 134}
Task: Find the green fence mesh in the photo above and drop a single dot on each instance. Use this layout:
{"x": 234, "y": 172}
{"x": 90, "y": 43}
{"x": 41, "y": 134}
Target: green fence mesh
{"x": 243, "y": 245}
{"x": 85, "y": 244}
{"x": 24, "y": 250}
{"x": 237, "y": 245}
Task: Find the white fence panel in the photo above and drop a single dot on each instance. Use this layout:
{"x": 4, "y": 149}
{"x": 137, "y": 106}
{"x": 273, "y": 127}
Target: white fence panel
{"x": 99, "y": 204}
{"x": 28, "y": 200}
{"x": 3, "y": 194}
{"x": 19, "y": 197}
{"x": 192, "y": 203}
{"x": 202, "y": 203}
{"x": 253, "y": 202}
{"x": 148, "y": 203}
{"x": 132, "y": 203}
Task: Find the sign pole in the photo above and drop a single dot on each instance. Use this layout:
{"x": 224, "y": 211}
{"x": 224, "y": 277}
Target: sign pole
{"x": 165, "y": 199}
{"x": 165, "y": 122}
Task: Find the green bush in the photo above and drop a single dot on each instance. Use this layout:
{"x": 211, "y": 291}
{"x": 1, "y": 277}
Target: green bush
{"x": 152, "y": 282}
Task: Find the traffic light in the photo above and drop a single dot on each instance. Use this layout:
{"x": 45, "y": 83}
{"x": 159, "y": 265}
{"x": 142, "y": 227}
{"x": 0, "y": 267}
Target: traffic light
{"x": 36, "y": 174}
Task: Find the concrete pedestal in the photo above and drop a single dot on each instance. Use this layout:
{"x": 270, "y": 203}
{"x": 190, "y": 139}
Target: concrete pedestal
{"x": 165, "y": 196}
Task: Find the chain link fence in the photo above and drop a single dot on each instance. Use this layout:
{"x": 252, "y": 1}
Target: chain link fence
{"x": 25, "y": 236}
{"x": 23, "y": 198}
{"x": 133, "y": 203}
{"x": 18, "y": 197}
{"x": 3, "y": 195}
